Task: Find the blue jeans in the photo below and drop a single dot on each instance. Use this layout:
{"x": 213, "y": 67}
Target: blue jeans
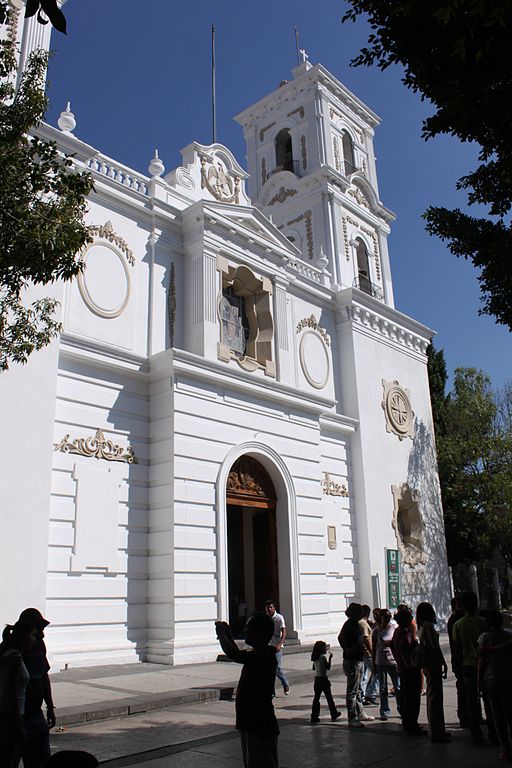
{"x": 279, "y": 671}
{"x": 369, "y": 681}
{"x": 383, "y": 670}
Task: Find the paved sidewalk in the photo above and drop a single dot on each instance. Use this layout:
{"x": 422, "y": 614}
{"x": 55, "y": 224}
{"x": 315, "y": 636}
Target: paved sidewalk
{"x": 96, "y": 693}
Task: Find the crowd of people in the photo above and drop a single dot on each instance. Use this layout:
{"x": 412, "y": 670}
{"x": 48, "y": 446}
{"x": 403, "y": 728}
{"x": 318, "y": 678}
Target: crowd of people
{"x": 384, "y": 656}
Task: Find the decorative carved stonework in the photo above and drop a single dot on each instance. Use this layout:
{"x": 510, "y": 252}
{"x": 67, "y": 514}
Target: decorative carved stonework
{"x": 408, "y": 524}
{"x": 359, "y": 197}
{"x": 303, "y": 152}
{"x": 345, "y": 238}
{"x": 306, "y": 217}
{"x": 106, "y": 232}
{"x": 263, "y": 171}
{"x": 330, "y": 488}
{"x": 265, "y": 129}
{"x": 308, "y": 221}
{"x": 98, "y": 447}
{"x": 248, "y": 478}
{"x": 171, "y": 304}
{"x": 336, "y": 151}
{"x": 299, "y": 111}
{"x": 219, "y": 183}
{"x": 281, "y": 196}
{"x": 312, "y": 322}
{"x": 397, "y": 410}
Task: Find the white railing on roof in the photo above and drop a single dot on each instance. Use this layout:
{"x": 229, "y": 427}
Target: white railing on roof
{"x": 120, "y": 173}
{"x": 307, "y": 270}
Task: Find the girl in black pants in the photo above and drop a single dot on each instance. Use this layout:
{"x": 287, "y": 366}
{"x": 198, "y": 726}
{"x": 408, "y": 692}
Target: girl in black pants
{"x": 322, "y": 684}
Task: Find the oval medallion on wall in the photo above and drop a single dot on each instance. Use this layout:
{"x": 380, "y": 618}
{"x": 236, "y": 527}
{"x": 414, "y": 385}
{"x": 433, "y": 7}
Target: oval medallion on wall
{"x": 314, "y": 359}
{"x": 104, "y": 283}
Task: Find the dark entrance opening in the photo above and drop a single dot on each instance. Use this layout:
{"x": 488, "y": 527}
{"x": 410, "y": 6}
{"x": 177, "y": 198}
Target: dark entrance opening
{"x": 252, "y": 540}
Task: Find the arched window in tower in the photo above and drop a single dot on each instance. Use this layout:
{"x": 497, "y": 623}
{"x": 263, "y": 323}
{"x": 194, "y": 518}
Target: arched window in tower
{"x": 235, "y": 325}
{"x": 363, "y": 267}
{"x": 349, "y": 161}
{"x": 284, "y": 151}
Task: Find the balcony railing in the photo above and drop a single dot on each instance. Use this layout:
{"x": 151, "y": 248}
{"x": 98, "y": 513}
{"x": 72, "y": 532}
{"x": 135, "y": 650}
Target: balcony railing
{"x": 348, "y": 168}
{"x": 366, "y": 286}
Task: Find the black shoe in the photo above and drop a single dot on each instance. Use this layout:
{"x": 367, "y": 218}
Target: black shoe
{"x": 336, "y": 716}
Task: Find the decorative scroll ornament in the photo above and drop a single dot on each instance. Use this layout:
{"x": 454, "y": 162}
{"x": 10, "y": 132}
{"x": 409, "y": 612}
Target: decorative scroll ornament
{"x": 397, "y": 410}
{"x": 312, "y": 322}
{"x": 106, "y": 232}
{"x": 219, "y": 183}
{"x": 330, "y": 488}
{"x": 281, "y": 196}
{"x": 97, "y": 447}
{"x": 248, "y": 478}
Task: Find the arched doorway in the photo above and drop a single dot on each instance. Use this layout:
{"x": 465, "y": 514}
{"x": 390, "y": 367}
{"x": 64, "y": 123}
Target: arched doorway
{"x": 251, "y": 539}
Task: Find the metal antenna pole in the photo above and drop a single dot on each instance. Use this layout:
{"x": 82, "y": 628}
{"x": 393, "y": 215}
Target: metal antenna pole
{"x": 214, "y": 105}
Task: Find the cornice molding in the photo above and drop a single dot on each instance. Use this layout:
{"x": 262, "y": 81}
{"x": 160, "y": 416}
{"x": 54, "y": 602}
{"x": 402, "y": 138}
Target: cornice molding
{"x": 195, "y": 366}
{"x": 379, "y": 319}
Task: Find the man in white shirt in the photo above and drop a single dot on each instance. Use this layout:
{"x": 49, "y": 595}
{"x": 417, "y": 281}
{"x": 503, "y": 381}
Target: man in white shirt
{"x": 277, "y": 641}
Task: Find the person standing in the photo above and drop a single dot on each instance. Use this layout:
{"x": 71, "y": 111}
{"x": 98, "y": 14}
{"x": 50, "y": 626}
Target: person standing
{"x": 37, "y": 745}
{"x": 495, "y": 677}
{"x": 466, "y": 632}
{"x": 384, "y": 663}
{"x": 368, "y": 680}
{"x": 435, "y": 671}
{"x": 255, "y": 716}
{"x": 456, "y": 614}
{"x": 14, "y": 678}
{"x": 322, "y": 684}
{"x": 402, "y": 645}
{"x": 351, "y": 641}
{"x": 277, "y": 641}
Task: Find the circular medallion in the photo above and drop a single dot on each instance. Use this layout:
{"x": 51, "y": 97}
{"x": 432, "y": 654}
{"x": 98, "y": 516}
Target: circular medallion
{"x": 314, "y": 359}
{"x": 104, "y": 283}
{"x": 398, "y": 409}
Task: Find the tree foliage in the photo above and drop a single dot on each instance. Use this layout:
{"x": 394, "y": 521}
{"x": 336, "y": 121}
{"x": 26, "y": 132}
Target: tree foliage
{"x": 42, "y": 207}
{"x": 457, "y": 54}
{"x": 474, "y": 445}
{"x": 46, "y": 9}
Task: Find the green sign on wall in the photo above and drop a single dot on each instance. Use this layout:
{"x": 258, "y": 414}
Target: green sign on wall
{"x": 393, "y": 577}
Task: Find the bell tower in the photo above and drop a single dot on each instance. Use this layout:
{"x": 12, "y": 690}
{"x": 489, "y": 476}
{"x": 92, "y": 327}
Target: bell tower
{"x": 312, "y": 171}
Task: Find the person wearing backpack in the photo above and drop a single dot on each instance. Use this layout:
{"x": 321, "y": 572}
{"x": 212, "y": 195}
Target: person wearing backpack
{"x": 403, "y": 644}
{"x": 435, "y": 669}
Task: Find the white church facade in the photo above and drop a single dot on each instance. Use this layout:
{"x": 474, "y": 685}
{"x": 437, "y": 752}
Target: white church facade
{"x": 235, "y": 410}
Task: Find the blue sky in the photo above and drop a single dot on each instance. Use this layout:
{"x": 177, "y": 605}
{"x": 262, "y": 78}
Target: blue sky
{"x": 138, "y": 77}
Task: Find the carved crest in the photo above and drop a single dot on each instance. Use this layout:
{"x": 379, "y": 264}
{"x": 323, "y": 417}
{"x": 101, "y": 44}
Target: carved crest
{"x": 219, "y": 183}
{"x": 247, "y": 478}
